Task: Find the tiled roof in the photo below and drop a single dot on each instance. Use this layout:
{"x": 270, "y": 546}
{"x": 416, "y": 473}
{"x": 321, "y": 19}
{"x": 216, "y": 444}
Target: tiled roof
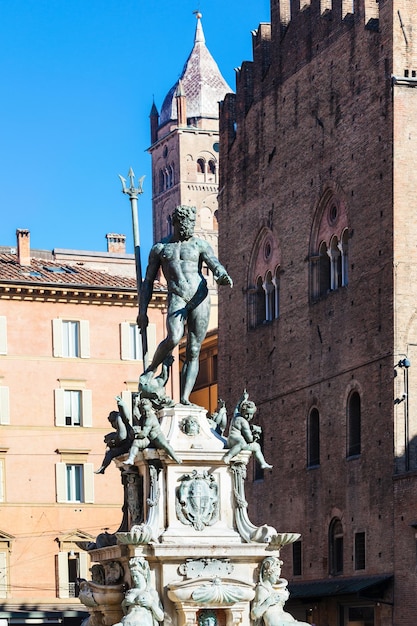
{"x": 47, "y": 272}
{"x": 202, "y": 83}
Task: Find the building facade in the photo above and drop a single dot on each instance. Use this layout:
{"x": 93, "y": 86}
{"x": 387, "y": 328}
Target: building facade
{"x": 317, "y": 229}
{"x": 68, "y": 345}
{"x": 185, "y": 170}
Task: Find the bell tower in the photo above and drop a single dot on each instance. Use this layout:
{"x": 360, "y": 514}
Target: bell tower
{"x": 185, "y": 144}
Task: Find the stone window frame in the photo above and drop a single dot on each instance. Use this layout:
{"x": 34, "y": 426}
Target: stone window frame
{"x": 313, "y": 438}
{"x": 336, "y": 547}
{"x": 69, "y": 550}
{"x": 60, "y": 403}
{"x": 328, "y": 248}
{"x": 130, "y": 346}
{"x": 74, "y": 457}
{"x": 353, "y": 424}
{"x": 4, "y": 404}
{"x": 359, "y": 545}
{"x": 83, "y": 348}
{"x": 6, "y": 541}
{"x": 3, "y": 335}
{"x": 263, "y": 282}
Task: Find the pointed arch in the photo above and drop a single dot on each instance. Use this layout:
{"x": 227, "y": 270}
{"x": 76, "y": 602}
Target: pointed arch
{"x": 329, "y": 235}
{"x": 263, "y": 283}
{"x": 336, "y": 546}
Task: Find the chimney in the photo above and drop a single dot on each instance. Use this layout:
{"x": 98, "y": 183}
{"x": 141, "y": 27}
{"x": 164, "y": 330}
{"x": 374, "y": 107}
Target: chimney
{"x": 116, "y": 244}
{"x": 23, "y": 246}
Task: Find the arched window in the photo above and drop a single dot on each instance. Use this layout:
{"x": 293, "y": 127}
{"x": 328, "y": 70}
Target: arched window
{"x": 161, "y": 181}
{"x": 354, "y": 424}
{"x": 329, "y": 238}
{"x": 170, "y": 176}
{"x": 269, "y": 298}
{"x": 335, "y": 264}
{"x": 263, "y": 290}
{"x": 336, "y": 547}
{"x": 211, "y": 171}
{"x": 169, "y": 225}
{"x": 276, "y": 282}
{"x": 324, "y": 270}
{"x": 313, "y": 438}
{"x": 343, "y": 247}
{"x": 201, "y": 166}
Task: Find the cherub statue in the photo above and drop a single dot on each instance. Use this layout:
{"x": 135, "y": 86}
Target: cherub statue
{"x": 270, "y": 596}
{"x": 154, "y": 388}
{"x": 148, "y": 433}
{"x": 141, "y": 605}
{"x": 118, "y": 441}
{"x": 243, "y": 435}
{"x": 218, "y": 419}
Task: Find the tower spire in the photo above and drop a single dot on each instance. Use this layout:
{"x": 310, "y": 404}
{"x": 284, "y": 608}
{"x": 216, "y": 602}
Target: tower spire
{"x": 199, "y": 34}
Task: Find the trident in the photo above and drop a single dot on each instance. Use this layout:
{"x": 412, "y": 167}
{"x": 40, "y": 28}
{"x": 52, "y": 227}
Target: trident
{"x": 133, "y": 193}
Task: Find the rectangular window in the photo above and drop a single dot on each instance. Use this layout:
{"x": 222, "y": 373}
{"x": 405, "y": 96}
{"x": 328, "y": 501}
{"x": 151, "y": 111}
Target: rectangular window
{"x": 296, "y": 558}
{"x": 72, "y": 566}
{"x": 3, "y": 574}
{"x": 135, "y": 342}
{"x": 71, "y": 338}
{"x": 3, "y": 334}
{"x": 74, "y": 474}
{"x": 360, "y": 555}
{"x": 2, "y": 481}
{"x": 131, "y": 341}
{"x": 4, "y": 406}
{"x": 74, "y": 480}
{"x": 73, "y": 408}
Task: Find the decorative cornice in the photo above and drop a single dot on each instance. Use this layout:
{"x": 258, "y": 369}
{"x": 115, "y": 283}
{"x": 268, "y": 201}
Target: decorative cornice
{"x": 78, "y": 294}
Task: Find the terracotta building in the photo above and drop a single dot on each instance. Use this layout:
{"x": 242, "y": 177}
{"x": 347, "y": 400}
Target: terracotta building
{"x": 318, "y": 227}
{"x": 68, "y": 345}
{"x": 185, "y": 170}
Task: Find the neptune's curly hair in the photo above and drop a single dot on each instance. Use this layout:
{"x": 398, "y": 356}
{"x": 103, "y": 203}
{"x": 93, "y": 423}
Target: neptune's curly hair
{"x": 183, "y": 211}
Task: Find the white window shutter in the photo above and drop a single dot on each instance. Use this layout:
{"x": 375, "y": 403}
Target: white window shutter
{"x": 84, "y": 563}
{"x": 85, "y": 339}
{"x": 87, "y": 408}
{"x": 57, "y": 337}
{"x": 151, "y": 341}
{"x": 59, "y": 395}
{"x": 125, "y": 352}
{"x": 3, "y": 575}
{"x": 1, "y": 487}
{"x": 3, "y": 334}
{"x": 61, "y": 482}
{"x": 63, "y": 578}
{"x": 4, "y": 406}
{"x": 88, "y": 482}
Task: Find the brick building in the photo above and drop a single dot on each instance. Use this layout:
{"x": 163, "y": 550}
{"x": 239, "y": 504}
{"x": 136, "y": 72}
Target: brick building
{"x": 318, "y": 229}
{"x": 185, "y": 170}
{"x": 68, "y": 346}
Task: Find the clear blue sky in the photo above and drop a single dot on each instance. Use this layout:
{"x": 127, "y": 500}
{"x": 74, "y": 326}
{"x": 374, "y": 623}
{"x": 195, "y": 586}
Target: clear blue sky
{"x": 77, "y": 80}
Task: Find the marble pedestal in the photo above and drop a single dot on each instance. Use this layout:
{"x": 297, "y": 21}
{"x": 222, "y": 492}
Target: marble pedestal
{"x": 189, "y": 522}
